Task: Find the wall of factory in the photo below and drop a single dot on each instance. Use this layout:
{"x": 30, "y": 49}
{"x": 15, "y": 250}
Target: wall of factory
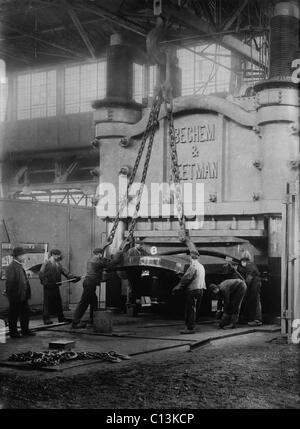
{"x": 69, "y": 228}
{"x": 56, "y": 133}
{"x": 43, "y": 128}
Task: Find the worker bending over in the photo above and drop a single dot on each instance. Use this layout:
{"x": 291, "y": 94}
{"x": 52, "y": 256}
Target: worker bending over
{"x": 95, "y": 266}
{"x": 230, "y": 293}
{"x": 50, "y": 277}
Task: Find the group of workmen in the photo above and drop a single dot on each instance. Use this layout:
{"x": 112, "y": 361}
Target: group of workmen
{"x": 18, "y": 289}
{"x": 241, "y": 290}
{"x": 237, "y": 297}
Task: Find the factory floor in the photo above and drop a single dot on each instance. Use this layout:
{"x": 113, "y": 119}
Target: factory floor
{"x": 213, "y": 368}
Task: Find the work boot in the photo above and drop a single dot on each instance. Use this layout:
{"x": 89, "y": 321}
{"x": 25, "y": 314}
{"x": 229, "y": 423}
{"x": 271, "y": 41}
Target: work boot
{"x": 188, "y": 331}
{"x": 63, "y": 320}
{"x": 255, "y": 323}
{"x": 15, "y": 335}
{"x": 225, "y": 321}
{"x": 232, "y": 324}
{"x": 79, "y": 325}
{"x": 28, "y": 334}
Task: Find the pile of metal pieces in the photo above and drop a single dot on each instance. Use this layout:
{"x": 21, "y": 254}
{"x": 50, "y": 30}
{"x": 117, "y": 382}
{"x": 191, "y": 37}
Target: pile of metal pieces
{"x": 53, "y": 358}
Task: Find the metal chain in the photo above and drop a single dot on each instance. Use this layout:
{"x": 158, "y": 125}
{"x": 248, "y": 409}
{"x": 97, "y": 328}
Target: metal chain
{"x": 174, "y": 161}
{"x": 146, "y": 165}
{"x": 53, "y": 358}
{"x": 150, "y": 130}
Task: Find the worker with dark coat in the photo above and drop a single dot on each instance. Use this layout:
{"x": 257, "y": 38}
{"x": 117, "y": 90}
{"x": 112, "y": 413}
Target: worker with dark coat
{"x": 50, "y": 277}
{"x": 251, "y": 307}
{"x": 95, "y": 266}
{"x": 18, "y": 293}
{"x": 230, "y": 293}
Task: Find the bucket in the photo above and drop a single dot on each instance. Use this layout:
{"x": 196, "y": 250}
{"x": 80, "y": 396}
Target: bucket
{"x": 102, "y": 321}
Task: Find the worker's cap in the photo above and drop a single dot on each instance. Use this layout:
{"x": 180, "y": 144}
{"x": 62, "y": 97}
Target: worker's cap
{"x": 98, "y": 250}
{"x": 246, "y": 256}
{"x": 18, "y": 251}
{"x": 55, "y": 252}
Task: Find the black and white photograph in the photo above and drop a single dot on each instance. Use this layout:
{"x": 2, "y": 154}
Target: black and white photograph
{"x": 149, "y": 207}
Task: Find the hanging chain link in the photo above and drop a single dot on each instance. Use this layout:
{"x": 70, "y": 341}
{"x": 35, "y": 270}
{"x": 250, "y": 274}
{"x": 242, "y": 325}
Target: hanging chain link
{"x": 152, "y": 125}
{"x": 174, "y": 161}
{"x": 53, "y": 358}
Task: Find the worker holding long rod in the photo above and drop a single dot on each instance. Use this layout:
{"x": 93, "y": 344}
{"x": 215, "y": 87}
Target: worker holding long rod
{"x": 50, "y": 277}
{"x": 95, "y": 266}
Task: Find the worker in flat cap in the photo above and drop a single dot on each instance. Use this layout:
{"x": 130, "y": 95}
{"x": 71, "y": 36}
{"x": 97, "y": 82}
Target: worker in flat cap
{"x": 95, "y": 266}
{"x": 251, "y": 306}
{"x": 51, "y": 276}
{"x": 230, "y": 294}
{"x": 18, "y": 293}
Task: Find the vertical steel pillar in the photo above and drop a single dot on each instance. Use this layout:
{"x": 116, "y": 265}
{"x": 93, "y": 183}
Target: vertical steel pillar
{"x": 291, "y": 261}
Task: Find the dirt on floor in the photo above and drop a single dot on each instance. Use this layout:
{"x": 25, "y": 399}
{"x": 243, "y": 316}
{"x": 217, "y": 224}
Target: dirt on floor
{"x": 243, "y": 372}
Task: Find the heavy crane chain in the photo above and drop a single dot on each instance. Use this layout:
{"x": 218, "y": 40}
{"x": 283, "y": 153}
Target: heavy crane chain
{"x": 174, "y": 161}
{"x": 150, "y": 129}
{"x": 146, "y": 165}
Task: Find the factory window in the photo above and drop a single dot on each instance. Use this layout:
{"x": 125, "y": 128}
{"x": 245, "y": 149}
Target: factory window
{"x": 152, "y": 79}
{"x": 3, "y": 90}
{"x": 138, "y": 82}
{"x": 83, "y": 85}
{"x": 144, "y": 81}
{"x": 36, "y": 95}
{"x": 205, "y": 69}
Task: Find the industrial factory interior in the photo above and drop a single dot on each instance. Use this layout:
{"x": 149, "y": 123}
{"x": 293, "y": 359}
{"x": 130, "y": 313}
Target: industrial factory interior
{"x": 149, "y": 207}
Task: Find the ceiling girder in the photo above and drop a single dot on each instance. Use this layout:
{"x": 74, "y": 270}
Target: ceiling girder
{"x": 83, "y": 34}
{"x": 194, "y": 22}
{"x": 34, "y": 36}
{"x": 236, "y": 14}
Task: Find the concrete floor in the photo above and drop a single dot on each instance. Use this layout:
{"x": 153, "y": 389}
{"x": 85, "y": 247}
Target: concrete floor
{"x": 132, "y": 336}
{"x": 242, "y": 368}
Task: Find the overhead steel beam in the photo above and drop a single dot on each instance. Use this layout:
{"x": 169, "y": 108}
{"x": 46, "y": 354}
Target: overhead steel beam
{"x": 35, "y": 37}
{"x": 56, "y": 29}
{"x": 189, "y": 20}
{"x": 109, "y": 16}
{"x": 206, "y": 11}
{"x": 10, "y": 53}
{"x": 80, "y": 29}
{"x": 238, "y": 11}
{"x": 242, "y": 49}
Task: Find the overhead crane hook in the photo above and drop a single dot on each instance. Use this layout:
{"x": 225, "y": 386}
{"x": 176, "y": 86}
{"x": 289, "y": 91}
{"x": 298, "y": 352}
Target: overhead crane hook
{"x": 152, "y": 42}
